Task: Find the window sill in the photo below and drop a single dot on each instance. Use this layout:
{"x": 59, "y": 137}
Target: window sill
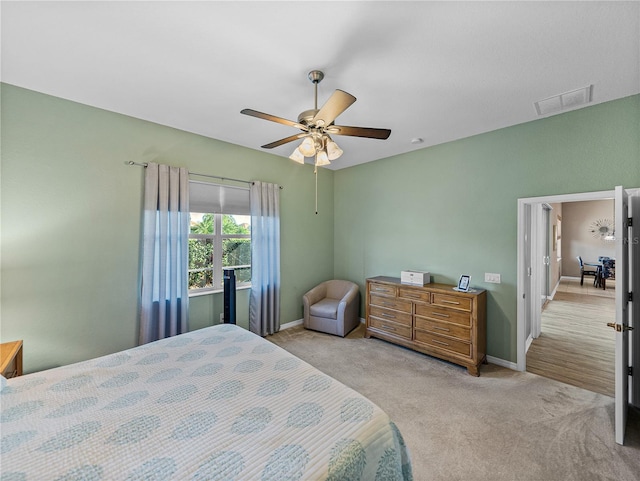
{"x": 215, "y": 291}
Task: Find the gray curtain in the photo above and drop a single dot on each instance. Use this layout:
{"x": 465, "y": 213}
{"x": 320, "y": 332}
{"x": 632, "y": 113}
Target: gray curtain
{"x": 164, "y": 298}
{"x": 264, "y": 303}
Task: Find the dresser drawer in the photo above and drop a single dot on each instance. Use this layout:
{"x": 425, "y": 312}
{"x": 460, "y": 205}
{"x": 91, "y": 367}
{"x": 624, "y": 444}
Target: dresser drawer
{"x": 441, "y": 342}
{"x": 444, "y": 328}
{"x": 414, "y": 294}
{"x": 388, "y": 314}
{"x": 390, "y": 327}
{"x": 11, "y": 370}
{"x": 390, "y": 303}
{"x": 454, "y": 302}
{"x": 444, "y": 314}
{"x": 384, "y": 289}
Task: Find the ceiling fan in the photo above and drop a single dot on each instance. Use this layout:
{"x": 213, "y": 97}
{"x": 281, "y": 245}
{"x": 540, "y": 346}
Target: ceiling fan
{"x": 317, "y": 125}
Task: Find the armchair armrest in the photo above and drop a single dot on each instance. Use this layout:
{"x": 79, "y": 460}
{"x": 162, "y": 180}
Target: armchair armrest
{"x": 350, "y": 302}
{"x": 314, "y": 295}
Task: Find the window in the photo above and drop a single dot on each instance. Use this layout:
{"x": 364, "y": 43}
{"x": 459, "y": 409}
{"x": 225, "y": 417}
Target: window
{"x": 218, "y": 240}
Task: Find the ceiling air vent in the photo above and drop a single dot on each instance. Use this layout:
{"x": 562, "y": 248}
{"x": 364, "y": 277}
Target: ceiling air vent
{"x": 565, "y": 101}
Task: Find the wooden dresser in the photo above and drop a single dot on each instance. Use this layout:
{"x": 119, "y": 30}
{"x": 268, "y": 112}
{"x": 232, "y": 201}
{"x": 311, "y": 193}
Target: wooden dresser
{"x": 11, "y": 359}
{"x": 433, "y": 319}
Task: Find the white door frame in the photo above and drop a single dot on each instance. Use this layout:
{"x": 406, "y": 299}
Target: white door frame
{"x": 538, "y": 269}
{"x": 529, "y": 275}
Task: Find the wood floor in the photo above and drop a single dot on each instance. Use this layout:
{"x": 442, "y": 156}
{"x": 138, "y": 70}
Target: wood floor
{"x": 576, "y": 346}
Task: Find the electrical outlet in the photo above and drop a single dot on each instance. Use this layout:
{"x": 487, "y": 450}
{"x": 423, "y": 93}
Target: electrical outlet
{"x": 222, "y": 317}
{"x": 491, "y": 277}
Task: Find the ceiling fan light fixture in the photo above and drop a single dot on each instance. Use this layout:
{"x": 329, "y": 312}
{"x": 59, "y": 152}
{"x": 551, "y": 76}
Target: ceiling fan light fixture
{"x": 297, "y": 156}
{"x": 317, "y": 125}
{"x": 322, "y": 158}
{"x": 307, "y": 147}
{"x": 333, "y": 151}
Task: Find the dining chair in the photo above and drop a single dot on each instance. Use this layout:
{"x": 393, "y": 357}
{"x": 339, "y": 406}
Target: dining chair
{"x": 608, "y": 271}
{"x": 587, "y": 271}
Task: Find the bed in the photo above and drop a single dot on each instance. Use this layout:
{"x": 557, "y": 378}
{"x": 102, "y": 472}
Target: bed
{"x": 219, "y": 403}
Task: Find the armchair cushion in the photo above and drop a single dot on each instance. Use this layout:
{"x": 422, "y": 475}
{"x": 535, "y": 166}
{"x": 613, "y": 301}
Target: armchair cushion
{"x": 325, "y": 308}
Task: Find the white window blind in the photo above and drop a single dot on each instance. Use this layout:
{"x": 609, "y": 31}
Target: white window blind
{"x": 223, "y": 199}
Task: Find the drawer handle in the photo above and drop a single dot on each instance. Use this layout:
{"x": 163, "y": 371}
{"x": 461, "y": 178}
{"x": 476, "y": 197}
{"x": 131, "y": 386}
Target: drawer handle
{"x": 390, "y": 304}
{"x": 413, "y": 296}
{"x": 440, "y": 314}
{"x": 379, "y": 289}
{"x": 389, "y": 328}
{"x": 441, "y": 328}
{"x": 456, "y": 303}
{"x": 439, "y": 342}
{"x": 390, "y": 316}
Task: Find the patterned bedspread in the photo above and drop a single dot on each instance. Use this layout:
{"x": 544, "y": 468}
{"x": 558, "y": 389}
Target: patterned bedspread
{"x": 219, "y": 403}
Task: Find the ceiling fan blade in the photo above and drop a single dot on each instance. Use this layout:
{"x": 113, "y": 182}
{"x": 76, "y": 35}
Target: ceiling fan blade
{"x": 337, "y": 103}
{"x": 359, "y": 132}
{"x": 286, "y": 140}
{"x": 272, "y": 118}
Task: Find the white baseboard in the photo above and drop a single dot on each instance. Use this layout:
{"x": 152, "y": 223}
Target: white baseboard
{"x": 553, "y": 293}
{"x": 501, "y": 362}
{"x": 528, "y": 345}
{"x": 299, "y": 322}
{"x": 287, "y": 325}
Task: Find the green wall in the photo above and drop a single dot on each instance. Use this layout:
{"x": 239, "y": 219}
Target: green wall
{"x": 452, "y": 209}
{"x": 70, "y": 238}
{"x": 71, "y": 224}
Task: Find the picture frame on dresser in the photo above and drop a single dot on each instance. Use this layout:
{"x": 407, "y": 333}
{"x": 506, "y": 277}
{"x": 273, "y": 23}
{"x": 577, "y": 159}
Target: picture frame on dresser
{"x": 464, "y": 283}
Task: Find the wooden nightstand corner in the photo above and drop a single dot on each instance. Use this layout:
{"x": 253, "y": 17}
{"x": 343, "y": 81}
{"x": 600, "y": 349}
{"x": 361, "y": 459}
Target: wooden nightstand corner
{"x": 11, "y": 359}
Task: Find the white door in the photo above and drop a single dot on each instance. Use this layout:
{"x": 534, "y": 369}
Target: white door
{"x": 622, "y": 313}
{"x": 634, "y": 262}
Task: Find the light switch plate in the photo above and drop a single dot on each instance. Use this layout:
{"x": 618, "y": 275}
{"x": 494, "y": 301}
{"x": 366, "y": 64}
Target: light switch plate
{"x": 491, "y": 277}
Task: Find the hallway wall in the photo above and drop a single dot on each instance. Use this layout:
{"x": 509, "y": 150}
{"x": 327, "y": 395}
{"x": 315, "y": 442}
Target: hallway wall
{"x": 577, "y": 238}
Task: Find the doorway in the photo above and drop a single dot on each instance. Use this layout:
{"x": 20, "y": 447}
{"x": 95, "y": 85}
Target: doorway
{"x": 569, "y": 341}
{"x": 533, "y": 271}
{"x": 626, "y": 236}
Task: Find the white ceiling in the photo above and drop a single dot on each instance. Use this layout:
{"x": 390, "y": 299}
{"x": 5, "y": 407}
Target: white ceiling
{"x": 436, "y": 70}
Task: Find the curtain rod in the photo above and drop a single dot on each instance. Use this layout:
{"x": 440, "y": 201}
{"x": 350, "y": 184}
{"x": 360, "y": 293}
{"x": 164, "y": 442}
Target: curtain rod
{"x": 131, "y": 162}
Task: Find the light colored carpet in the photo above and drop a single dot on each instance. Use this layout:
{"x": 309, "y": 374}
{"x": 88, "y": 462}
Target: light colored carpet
{"x": 503, "y": 425}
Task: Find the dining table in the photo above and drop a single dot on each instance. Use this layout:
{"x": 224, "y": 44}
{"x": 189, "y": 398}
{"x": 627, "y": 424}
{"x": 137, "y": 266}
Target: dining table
{"x": 605, "y": 269}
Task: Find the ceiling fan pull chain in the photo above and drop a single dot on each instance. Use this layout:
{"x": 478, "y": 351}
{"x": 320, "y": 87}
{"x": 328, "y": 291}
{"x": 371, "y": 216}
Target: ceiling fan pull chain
{"x": 315, "y": 172}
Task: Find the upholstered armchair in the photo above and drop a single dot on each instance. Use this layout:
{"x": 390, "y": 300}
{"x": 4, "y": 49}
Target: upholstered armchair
{"x": 332, "y": 307}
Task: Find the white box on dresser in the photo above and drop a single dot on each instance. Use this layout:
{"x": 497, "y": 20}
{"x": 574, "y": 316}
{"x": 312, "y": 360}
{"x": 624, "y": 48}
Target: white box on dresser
{"x": 415, "y": 278}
